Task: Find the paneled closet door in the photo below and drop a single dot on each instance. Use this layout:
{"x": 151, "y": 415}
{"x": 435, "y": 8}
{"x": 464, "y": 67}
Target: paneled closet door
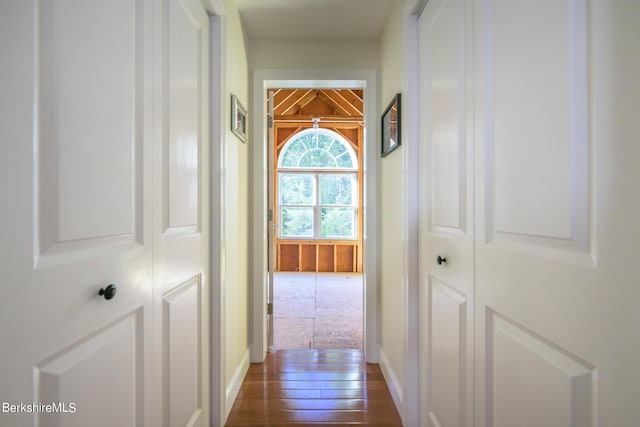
{"x": 557, "y": 213}
{"x": 446, "y": 222}
{"x": 75, "y": 183}
{"x": 181, "y": 228}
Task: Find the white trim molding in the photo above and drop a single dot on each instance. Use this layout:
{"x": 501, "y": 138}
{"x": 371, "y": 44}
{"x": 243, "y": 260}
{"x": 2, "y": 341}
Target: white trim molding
{"x": 395, "y": 387}
{"x": 411, "y": 212}
{"x": 233, "y": 387}
{"x": 217, "y": 307}
{"x": 347, "y": 78}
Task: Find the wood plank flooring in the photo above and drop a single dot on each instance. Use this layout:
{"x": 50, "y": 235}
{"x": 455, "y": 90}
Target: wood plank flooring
{"x": 314, "y": 387}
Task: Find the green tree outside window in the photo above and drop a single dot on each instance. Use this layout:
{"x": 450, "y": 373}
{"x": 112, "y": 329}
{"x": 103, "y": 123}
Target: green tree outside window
{"x": 318, "y": 187}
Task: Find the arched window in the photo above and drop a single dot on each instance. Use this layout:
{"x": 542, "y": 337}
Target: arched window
{"x": 317, "y": 187}
{"x": 318, "y": 149}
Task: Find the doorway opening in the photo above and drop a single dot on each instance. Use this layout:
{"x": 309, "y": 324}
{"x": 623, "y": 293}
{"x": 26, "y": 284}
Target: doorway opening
{"x": 262, "y": 270}
{"x": 316, "y": 145}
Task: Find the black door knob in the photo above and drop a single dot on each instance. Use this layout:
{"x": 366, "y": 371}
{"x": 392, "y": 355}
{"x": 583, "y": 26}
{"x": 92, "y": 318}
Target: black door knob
{"x": 108, "y": 292}
{"x": 441, "y": 260}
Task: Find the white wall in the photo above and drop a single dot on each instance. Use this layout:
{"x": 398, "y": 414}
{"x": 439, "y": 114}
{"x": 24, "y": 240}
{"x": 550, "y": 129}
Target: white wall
{"x": 399, "y": 214}
{"x": 392, "y": 262}
{"x": 235, "y": 182}
{"x": 291, "y": 54}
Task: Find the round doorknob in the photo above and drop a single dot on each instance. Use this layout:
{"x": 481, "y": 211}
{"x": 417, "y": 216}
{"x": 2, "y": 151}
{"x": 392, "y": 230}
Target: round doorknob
{"x": 441, "y": 260}
{"x": 108, "y": 292}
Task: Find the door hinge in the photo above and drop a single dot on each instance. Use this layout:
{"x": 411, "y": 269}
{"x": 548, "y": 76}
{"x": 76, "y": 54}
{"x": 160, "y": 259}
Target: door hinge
{"x": 269, "y": 122}
{"x": 270, "y": 215}
{"x": 270, "y": 308}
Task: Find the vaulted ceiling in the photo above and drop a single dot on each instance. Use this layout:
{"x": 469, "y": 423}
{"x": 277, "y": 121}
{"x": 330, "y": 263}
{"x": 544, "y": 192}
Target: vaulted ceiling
{"x": 329, "y": 105}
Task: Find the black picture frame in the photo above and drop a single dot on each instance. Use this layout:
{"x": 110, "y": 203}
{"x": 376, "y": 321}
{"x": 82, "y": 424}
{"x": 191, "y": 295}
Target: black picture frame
{"x": 238, "y": 119}
{"x": 390, "y": 125}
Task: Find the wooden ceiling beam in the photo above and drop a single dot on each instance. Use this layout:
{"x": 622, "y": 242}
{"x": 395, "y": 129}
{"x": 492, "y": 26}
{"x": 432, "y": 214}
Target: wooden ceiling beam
{"x": 349, "y": 100}
{"x": 337, "y": 125}
{"x": 340, "y": 109}
{"x": 306, "y": 99}
{"x": 355, "y": 94}
{"x": 280, "y": 96}
{"x": 323, "y": 119}
{"x": 358, "y": 92}
{"x": 288, "y": 106}
{"x": 342, "y": 102}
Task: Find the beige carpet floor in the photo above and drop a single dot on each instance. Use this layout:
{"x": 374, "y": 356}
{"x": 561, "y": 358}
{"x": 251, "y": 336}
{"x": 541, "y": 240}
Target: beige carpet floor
{"x": 317, "y": 310}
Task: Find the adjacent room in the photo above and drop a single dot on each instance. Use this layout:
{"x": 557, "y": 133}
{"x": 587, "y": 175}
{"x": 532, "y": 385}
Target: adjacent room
{"x": 317, "y": 150}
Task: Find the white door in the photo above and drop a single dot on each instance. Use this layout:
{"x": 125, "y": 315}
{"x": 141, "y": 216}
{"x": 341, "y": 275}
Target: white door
{"x": 553, "y": 104}
{"x": 446, "y": 223}
{"x": 75, "y": 185}
{"x": 104, "y": 180}
{"x": 181, "y": 224}
{"x": 557, "y": 210}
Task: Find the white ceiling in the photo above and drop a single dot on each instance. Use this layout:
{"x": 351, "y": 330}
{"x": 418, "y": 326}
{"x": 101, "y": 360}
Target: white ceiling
{"x": 314, "y": 19}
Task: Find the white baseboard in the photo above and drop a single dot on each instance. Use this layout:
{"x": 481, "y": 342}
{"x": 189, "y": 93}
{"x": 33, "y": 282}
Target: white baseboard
{"x": 233, "y": 386}
{"x": 395, "y": 387}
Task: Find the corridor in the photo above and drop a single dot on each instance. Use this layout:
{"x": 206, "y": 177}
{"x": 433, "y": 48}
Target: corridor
{"x": 314, "y": 387}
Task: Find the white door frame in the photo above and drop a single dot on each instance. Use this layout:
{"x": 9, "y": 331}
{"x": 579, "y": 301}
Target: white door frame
{"x": 411, "y": 339}
{"x": 263, "y": 79}
{"x": 217, "y": 307}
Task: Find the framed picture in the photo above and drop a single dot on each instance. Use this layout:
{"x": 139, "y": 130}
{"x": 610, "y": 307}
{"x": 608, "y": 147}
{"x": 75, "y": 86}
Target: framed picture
{"x": 238, "y": 119}
{"x": 391, "y": 126}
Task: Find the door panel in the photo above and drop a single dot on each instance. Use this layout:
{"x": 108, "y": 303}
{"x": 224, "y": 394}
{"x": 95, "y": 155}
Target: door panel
{"x": 182, "y": 362}
{"x": 448, "y": 356}
{"x": 184, "y": 117}
{"x": 555, "y": 274}
{"x": 80, "y": 367}
{"x": 520, "y": 365}
{"x": 76, "y": 216}
{"x": 181, "y": 226}
{"x": 446, "y": 287}
{"x": 526, "y": 134}
{"x": 446, "y": 117}
{"x": 86, "y": 148}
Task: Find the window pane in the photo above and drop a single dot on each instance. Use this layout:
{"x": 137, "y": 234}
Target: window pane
{"x": 325, "y": 141}
{"x": 296, "y": 222}
{"x": 337, "y": 222}
{"x": 289, "y": 160}
{"x": 296, "y": 189}
{"x": 337, "y": 149}
{"x": 310, "y": 141}
{"x": 317, "y": 159}
{"x": 302, "y": 144}
{"x": 337, "y": 189}
{"x": 344, "y": 161}
{"x": 317, "y": 148}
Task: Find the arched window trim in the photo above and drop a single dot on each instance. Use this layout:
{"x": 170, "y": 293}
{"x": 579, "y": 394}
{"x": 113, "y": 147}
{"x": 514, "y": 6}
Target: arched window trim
{"x": 336, "y": 138}
{"x": 317, "y": 174}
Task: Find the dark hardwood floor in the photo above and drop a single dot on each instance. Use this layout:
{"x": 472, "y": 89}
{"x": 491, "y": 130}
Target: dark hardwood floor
{"x": 314, "y": 387}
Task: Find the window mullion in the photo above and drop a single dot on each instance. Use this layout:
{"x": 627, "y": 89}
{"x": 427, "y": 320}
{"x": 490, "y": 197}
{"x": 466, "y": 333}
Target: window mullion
{"x": 317, "y": 226}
